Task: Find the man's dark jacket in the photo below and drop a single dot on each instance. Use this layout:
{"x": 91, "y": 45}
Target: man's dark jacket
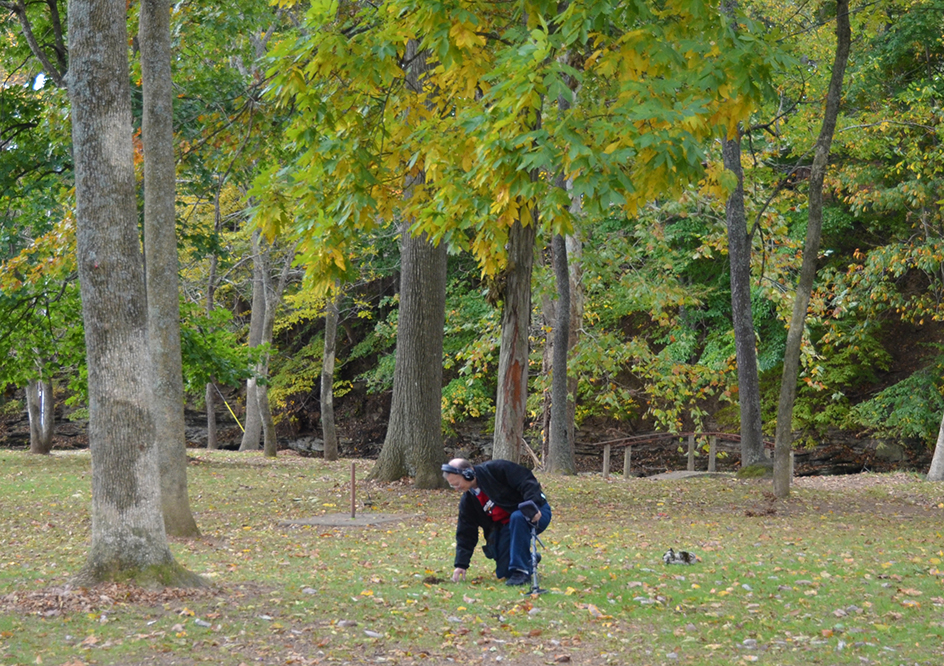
{"x": 507, "y": 485}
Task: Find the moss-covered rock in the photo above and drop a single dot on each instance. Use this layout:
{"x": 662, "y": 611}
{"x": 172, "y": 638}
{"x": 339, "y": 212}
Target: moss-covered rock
{"x": 757, "y": 471}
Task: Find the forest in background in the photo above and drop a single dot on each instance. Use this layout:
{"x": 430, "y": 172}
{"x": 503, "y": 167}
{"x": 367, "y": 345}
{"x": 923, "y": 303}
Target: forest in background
{"x": 283, "y": 123}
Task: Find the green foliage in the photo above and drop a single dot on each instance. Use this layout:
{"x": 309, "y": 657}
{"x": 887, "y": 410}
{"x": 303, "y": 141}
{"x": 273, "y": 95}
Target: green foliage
{"x": 12, "y": 407}
{"x": 211, "y": 352}
{"x": 910, "y": 409}
{"x": 297, "y": 374}
{"x": 470, "y": 350}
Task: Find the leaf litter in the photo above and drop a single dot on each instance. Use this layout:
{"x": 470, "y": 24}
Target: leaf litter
{"x": 822, "y": 583}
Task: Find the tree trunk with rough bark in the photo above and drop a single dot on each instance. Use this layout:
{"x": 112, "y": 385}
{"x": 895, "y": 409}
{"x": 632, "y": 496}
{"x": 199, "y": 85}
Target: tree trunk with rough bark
{"x": 160, "y": 245}
{"x": 936, "y": 471}
{"x": 413, "y": 445}
{"x": 253, "y": 423}
{"x": 329, "y": 429}
{"x": 739, "y": 257}
{"x": 128, "y": 542}
{"x": 511, "y": 400}
{"x": 39, "y": 408}
{"x": 791, "y": 359}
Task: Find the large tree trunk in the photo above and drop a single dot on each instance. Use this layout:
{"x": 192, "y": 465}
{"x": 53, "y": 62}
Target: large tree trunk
{"x": 160, "y": 245}
{"x": 739, "y": 256}
{"x": 128, "y": 537}
{"x": 39, "y": 408}
{"x": 936, "y": 472}
{"x": 413, "y": 445}
{"x": 791, "y": 357}
{"x": 329, "y": 430}
{"x": 511, "y": 401}
{"x": 253, "y": 425}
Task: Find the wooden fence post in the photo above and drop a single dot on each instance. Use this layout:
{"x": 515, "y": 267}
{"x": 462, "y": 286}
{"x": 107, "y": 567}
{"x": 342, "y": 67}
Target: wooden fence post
{"x": 353, "y": 493}
{"x": 712, "y": 453}
{"x": 627, "y": 462}
{"x": 606, "y": 461}
{"x": 691, "y": 453}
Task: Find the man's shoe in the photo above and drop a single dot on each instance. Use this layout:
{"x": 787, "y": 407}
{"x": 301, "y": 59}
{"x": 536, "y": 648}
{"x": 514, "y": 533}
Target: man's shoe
{"x": 517, "y": 578}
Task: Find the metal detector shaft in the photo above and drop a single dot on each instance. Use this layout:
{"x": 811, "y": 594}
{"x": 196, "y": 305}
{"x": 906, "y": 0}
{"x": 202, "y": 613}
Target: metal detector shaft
{"x": 535, "y": 540}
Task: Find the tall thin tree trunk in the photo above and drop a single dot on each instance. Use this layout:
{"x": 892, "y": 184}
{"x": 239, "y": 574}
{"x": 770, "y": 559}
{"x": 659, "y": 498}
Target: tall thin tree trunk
{"x": 273, "y": 295}
{"x": 212, "y": 440}
{"x": 39, "y": 407}
{"x": 128, "y": 538}
{"x": 739, "y": 257}
{"x": 936, "y": 471}
{"x": 791, "y": 357}
{"x": 574, "y": 257}
{"x": 253, "y": 423}
{"x": 160, "y": 243}
{"x": 512, "y": 397}
{"x": 560, "y": 450}
{"x": 329, "y": 430}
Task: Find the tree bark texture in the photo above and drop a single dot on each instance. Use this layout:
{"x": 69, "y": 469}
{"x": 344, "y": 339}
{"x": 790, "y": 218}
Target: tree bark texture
{"x": 329, "y": 429}
{"x": 413, "y": 445}
{"x": 511, "y": 400}
{"x": 39, "y": 408}
{"x": 936, "y": 471}
{"x": 791, "y": 360}
{"x": 739, "y": 256}
{"x": 253, "y": 424}
{"x": 128, "y": 537}
{"x": 160, "y": 245}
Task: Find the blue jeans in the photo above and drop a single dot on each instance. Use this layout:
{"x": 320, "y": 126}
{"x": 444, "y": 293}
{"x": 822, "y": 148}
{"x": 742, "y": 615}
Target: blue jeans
{"x": 513, "y": 549}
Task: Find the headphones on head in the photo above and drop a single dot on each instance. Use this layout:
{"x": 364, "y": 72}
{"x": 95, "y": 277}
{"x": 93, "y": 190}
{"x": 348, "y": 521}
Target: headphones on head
{"x": 468, "y": 473}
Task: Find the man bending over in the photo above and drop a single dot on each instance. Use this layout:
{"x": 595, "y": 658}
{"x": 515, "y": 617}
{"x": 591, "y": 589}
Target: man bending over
{"x": 491, "y": 493}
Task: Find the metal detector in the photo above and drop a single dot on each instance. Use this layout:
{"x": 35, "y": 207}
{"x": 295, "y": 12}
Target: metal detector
{"x": 529, "y": 509}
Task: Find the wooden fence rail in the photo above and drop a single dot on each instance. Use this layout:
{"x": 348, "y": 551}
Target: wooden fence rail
{"x": 626, "y": 443}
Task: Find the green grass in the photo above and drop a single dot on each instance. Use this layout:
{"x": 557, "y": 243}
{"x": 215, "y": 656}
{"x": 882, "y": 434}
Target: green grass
{"x": 851, "y": 575}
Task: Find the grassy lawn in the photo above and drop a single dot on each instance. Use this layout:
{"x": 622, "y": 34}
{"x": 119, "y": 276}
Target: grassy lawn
{"x": 848, "y": 570}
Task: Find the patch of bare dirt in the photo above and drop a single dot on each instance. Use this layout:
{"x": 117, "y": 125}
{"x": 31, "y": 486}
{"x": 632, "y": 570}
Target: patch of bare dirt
{"x": 345, "y": 519}
{"x": 853, "y": 481}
